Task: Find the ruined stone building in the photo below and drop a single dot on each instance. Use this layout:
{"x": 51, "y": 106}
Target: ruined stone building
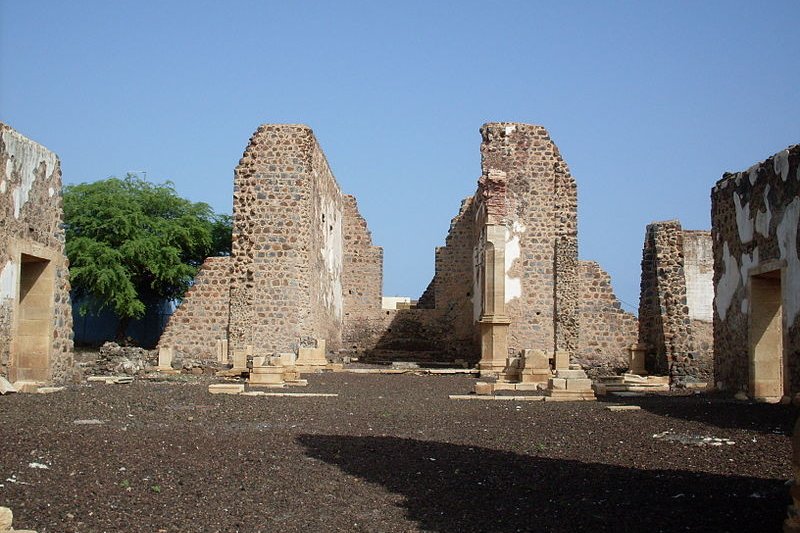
{"x": 35, "y": 312}
{"x": 304, "y": 266}
{"x": 755, "y": 217}
{"x": 675, "y": 316}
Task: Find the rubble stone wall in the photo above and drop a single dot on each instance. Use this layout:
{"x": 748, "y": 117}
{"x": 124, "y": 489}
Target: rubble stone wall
{"x": 362, "y": 282}
{"x": 606, "y": 330}
{"x": 202, "y": 317}
{"x": 31, "y": 225}
{"x": 755, "y": 218}
{"x": 541, "y": 248}
{"x": 665, "y": 319}
{"x": 287, "y": 243}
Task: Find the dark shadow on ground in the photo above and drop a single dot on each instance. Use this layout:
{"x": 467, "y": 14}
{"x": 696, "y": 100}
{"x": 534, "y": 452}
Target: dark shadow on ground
{"x": 716, "y": 409}
{"x": 455, "y": 488}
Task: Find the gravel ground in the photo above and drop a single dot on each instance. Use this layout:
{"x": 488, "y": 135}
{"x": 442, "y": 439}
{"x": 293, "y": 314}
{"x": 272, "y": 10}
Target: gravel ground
{"x": 391, "y": 453}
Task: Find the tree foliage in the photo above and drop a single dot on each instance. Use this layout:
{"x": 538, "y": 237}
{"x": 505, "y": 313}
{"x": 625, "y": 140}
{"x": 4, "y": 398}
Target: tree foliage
{"x": 130, "y": 241}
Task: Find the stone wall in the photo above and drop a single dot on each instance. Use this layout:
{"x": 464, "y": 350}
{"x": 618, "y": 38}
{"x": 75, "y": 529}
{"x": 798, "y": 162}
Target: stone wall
{"x": 35, "y": 311}
{"x": 202, "y": 317}
{"x": 541, "y": 244}
{"x": 287, "y": 243}
{"x": 755, "y": 215}
{"x": 606, "y": 331}
{"x": 675, "y": 264}
{"x": 362, "y": 282}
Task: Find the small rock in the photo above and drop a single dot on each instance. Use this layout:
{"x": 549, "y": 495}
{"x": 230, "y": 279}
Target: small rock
{"x": 5, "y": 388}
{"x": 741, "y": 396}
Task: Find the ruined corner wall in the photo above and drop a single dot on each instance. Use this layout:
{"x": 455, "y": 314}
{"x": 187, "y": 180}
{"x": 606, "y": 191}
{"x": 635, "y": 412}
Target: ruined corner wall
{"x": 755, "y": 216}
{"x": 202, "y": 317}
{"x": 35, "y": 310}
{"x": 606, "y": 330}
{"x": 541, "y": 253}
{"x": 287, "y": 243}
{"x": 362, "y": 282}
{"x": 675, "y": 334}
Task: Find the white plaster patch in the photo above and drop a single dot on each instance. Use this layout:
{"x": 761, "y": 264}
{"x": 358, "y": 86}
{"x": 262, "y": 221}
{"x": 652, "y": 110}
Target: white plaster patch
{"x": 787, "y": 241}
{"x": 510, "y": 129}
{"x": 8, "y": 281}
{"x": 51, "y": 192}
{"x": 743, "y": 221}
{"x": 332, "y": 253}
{"x": 513, "y": 252}
{"x": 728, "y": 283}
{"x": 748, "y": 262}
{"x": 763, "y": 218}
{"x": 25, "y": 156}
{"x": 752, "y": 173}
{"x": 780, "y": 163}
{"x": 3, "y": 187}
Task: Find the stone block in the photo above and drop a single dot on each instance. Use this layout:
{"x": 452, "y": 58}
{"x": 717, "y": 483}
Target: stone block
{"x": 570, "y": 374}
{"x": 226, "y": 388}
{"x": 557, "y": 384}
{"x": 561, "y": 360}
{"x": 259, "y": 360}
{"x": 583, "y": 384}
{"x": 165, "y": 355}
{"x": 484, "y": 388}
{"x": 5, "y": 388}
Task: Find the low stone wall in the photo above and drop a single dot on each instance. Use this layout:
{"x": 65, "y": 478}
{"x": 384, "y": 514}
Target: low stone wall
{"x": 606, "y": 331}
{"x": 35, "y": 311}
{"x": 202, "y": 317}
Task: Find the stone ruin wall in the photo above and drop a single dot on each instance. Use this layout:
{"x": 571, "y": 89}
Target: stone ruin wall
{"x": 698, "y": 270}
{"x": 675, "y": 335}
{"x": 202, "y": 317}
{"x": 31, "y": 223}
{"x": 755, "y": 216}
{"x": 287, "y": 243}
{"x": 540, "y": 213}
{"x": 303, "y": 266}
{"x": 606, "y": 330}
{"x": 362, "y": 281}
{"x": 541, "y": 244}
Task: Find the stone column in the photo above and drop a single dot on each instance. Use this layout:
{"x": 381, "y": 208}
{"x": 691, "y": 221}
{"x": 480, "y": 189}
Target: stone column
{"x": 493, "y": 321}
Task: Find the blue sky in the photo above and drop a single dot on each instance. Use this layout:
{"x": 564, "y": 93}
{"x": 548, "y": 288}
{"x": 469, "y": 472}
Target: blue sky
{"x": 649, "y": 102}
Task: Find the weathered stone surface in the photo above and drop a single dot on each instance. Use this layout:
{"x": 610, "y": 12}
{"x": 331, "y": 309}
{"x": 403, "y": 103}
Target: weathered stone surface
{"x": 676, "y": 337}
{"x": 34, "y": 280}
{"x": 755, "y": 216}
{"x": 226, "y": 388}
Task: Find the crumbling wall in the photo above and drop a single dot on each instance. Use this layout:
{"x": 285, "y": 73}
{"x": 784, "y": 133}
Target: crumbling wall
{"x": 362, "y": 282}
{"x": 287, "y": 243}
{"x": 202, "y": 317}
{"x": 541, "y": 245}
{"x": 31, "y": 231}
{"x": 665, "y": 320}
{"x": 606, "y": 330}
{"x": 698, "y": 270}
{"x": 755, "y": 217}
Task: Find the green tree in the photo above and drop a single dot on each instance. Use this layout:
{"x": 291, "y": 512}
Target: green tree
{"x": 130, "y": 241}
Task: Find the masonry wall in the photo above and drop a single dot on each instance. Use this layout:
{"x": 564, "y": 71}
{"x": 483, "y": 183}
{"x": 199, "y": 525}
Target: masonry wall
{"x": 31, "y": 219}
{"x": 202, "y": 317}
{"x": 755, "y": 216}
{"x": 606, "y": 330}
{"x": 666, "y": 321}
{"x": 362, "y": 282}
{"x": 287, "y": 243}
{"x": 541, "y": 248}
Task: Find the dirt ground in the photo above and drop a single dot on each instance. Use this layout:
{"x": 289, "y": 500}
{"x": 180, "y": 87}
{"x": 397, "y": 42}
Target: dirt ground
{"x": 390, "y": 453}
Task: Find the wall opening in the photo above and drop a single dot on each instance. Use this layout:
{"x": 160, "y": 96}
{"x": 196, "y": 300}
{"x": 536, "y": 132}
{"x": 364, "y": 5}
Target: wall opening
{"x": 33, "y": 334}
{"x": 765, "y": 338}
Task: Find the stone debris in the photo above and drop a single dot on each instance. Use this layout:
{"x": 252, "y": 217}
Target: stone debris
{"x": 6, "y": 387}
{"x": 499, "y": 398}
{"x": 88, "y": 422}
{"x": 226, "y": 388}
{"x": 290, "y": 394}
{"x": 570, "y": 385}
{"x": 630, "y": 382}
{"x": 692, "y": 440}
{"x": 110, "y": 380}
{"x": 623, "y": 408}
{"x": 50, "y": 390}
{"x": 6, "y": 521}
{"x": 40, "y": 466}
{"x": 31, "y": 387}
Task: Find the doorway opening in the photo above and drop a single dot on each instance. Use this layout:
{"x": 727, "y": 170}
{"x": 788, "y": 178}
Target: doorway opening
{"x": 765, "y": 338}
{"x": 34, "y": 324}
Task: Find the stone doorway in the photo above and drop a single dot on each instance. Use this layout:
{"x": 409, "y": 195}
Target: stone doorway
{"x": 765, "y": 335}
{"x": 33, "y": 335}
